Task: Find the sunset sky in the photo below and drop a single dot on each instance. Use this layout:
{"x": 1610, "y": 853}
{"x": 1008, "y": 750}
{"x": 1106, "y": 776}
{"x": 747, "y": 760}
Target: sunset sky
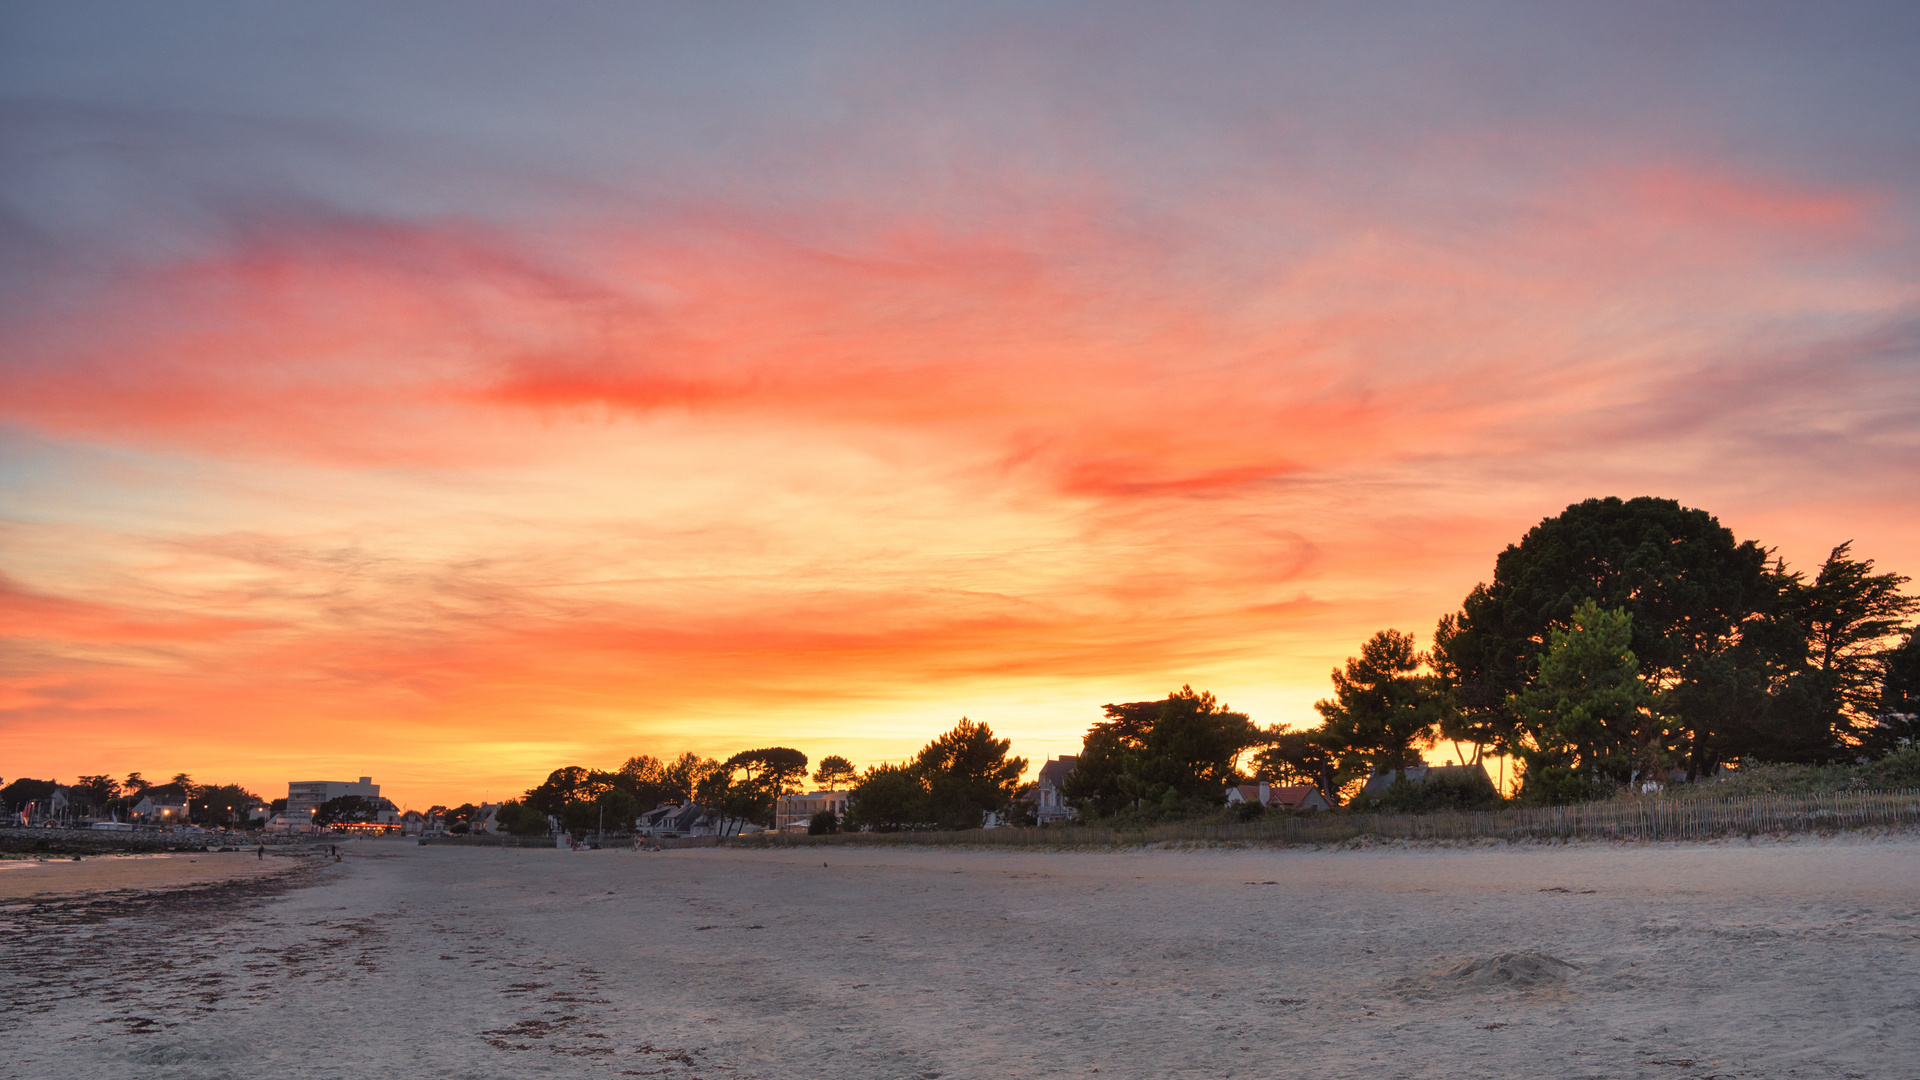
{"x": 450, "y": 392}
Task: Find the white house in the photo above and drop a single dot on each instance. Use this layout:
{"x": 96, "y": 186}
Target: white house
{"x": 1050, "y": 804}
{"x": 1288, "y": 797}
{"x": 486, "y": 820}
{"x": 161, "y": 809}
{"x": 794, "y": 812}
{"x": 691, "y": 819}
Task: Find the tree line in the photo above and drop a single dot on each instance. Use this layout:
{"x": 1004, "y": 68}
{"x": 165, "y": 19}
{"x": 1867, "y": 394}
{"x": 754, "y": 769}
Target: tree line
{"x": 1619, "y": 643}
{"x": 953, "y": 782}
{"x": 101, "y": 795}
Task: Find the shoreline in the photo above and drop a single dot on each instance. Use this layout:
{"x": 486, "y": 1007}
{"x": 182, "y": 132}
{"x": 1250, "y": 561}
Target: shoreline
{"x": 35, "y": 879}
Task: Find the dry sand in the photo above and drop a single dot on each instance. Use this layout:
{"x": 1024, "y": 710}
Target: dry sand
{"x": 1735, "y": 960}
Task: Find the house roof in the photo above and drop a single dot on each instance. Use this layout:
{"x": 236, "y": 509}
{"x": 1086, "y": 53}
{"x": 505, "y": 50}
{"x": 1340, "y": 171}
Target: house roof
{"x": 172, "y": 794}
{"x": 1420, "y": 774}
{"x": 1294, "y": 795}
{"x": 1055, "y": 772}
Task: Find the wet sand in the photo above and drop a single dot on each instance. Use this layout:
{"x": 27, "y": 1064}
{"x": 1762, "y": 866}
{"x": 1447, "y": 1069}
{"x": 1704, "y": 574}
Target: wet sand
{"x": 1796, "y": 959}
{"x": 22, "y": 878}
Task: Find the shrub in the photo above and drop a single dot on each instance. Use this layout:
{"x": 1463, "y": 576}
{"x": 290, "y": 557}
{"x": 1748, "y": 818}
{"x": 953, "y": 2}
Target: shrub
{"x": 1449, "y": 791}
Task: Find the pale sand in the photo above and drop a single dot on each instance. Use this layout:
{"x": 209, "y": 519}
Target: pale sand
{"x": 1793, "y": 959}
{"x": 21, "y": 878}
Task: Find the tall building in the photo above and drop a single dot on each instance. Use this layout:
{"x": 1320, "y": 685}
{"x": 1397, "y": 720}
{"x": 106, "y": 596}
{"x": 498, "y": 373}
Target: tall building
{"x": 306, "y": 796}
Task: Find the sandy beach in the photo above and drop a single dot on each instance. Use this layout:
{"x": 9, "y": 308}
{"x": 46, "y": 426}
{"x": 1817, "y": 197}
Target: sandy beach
{"x": 1770, "y": 959}
{"x": 30, "y": 877}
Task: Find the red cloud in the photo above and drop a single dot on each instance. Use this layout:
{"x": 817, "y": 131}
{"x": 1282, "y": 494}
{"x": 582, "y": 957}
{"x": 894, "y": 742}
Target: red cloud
{"x": 1715, "y": 200}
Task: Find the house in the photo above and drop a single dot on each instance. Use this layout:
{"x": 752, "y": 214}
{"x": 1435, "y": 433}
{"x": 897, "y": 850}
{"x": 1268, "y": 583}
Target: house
{"x": 1279, "y": 797}
{"x": 486, "y": 819}
{"x": 691, "y": 819}
{"x": 157, "y": 807}
{"x": 1298, "y": 797}
{"x": 1049, "y": 801}
{"x": 413, "y": 823}
{"x": 794, "y": 812}
{"x": 1381, "y": 780}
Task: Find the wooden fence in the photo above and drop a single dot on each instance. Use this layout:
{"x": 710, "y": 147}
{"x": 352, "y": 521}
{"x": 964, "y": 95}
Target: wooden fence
{"x": 1651, "y": 818}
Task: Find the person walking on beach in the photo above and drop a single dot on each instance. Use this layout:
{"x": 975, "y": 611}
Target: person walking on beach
{"x": 262, "y": 855}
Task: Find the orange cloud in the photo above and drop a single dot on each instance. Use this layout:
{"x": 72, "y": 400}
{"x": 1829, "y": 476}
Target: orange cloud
{"x": 35, "y": 616}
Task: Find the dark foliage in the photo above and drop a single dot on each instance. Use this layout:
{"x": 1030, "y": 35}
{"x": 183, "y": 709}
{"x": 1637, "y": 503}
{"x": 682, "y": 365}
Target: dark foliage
{"x": 835, "y": 773}
{"x": 1899, "y": 723}
{"x": 345, "y": 810}
{"x": 562, "y": 786}
{"x": 889, "y": 798}
{"x": 968, "y": 774}
{"x": 1586, "y": 718}
{"x": 747, "y": 787}
{"x": 23, "y": 791}
{"x": 223, "y": 804}
{"x": 613, "y": 809}
{"x": 1688, "y": 584}
{"x": 1451, "y": 789}
{"x": 520, "y": 819}
{"x": 1170, "y": 756}
{"x": 97, "y": 793}
{"x": 1383, "y": 706}
{"x": 1295, "y": 757}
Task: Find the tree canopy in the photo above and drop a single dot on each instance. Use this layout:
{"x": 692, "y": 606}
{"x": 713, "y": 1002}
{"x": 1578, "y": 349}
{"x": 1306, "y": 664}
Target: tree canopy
{"x": 1900, "y": 695}
{"x": 1384, "y": 704}
{"x": 968, "y": 774}
{"x": 23, "y": 791}
{"x": 889, "y": 798}
{"x": 1295, "y": 757}
{"x": 953, "y": 782}
{"x": 571, "y": 783}
{"x": 223, "y": 804}
{"x": 345, "y": 810}
{"x": 1850, "y": 616}
{"x": 835, "y": 772}
{"x": 1182, "y": 750}
{"x": 747, "y": 786}
{"x": 1689, "y": 586}
{"x": 1586, "y": 715}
